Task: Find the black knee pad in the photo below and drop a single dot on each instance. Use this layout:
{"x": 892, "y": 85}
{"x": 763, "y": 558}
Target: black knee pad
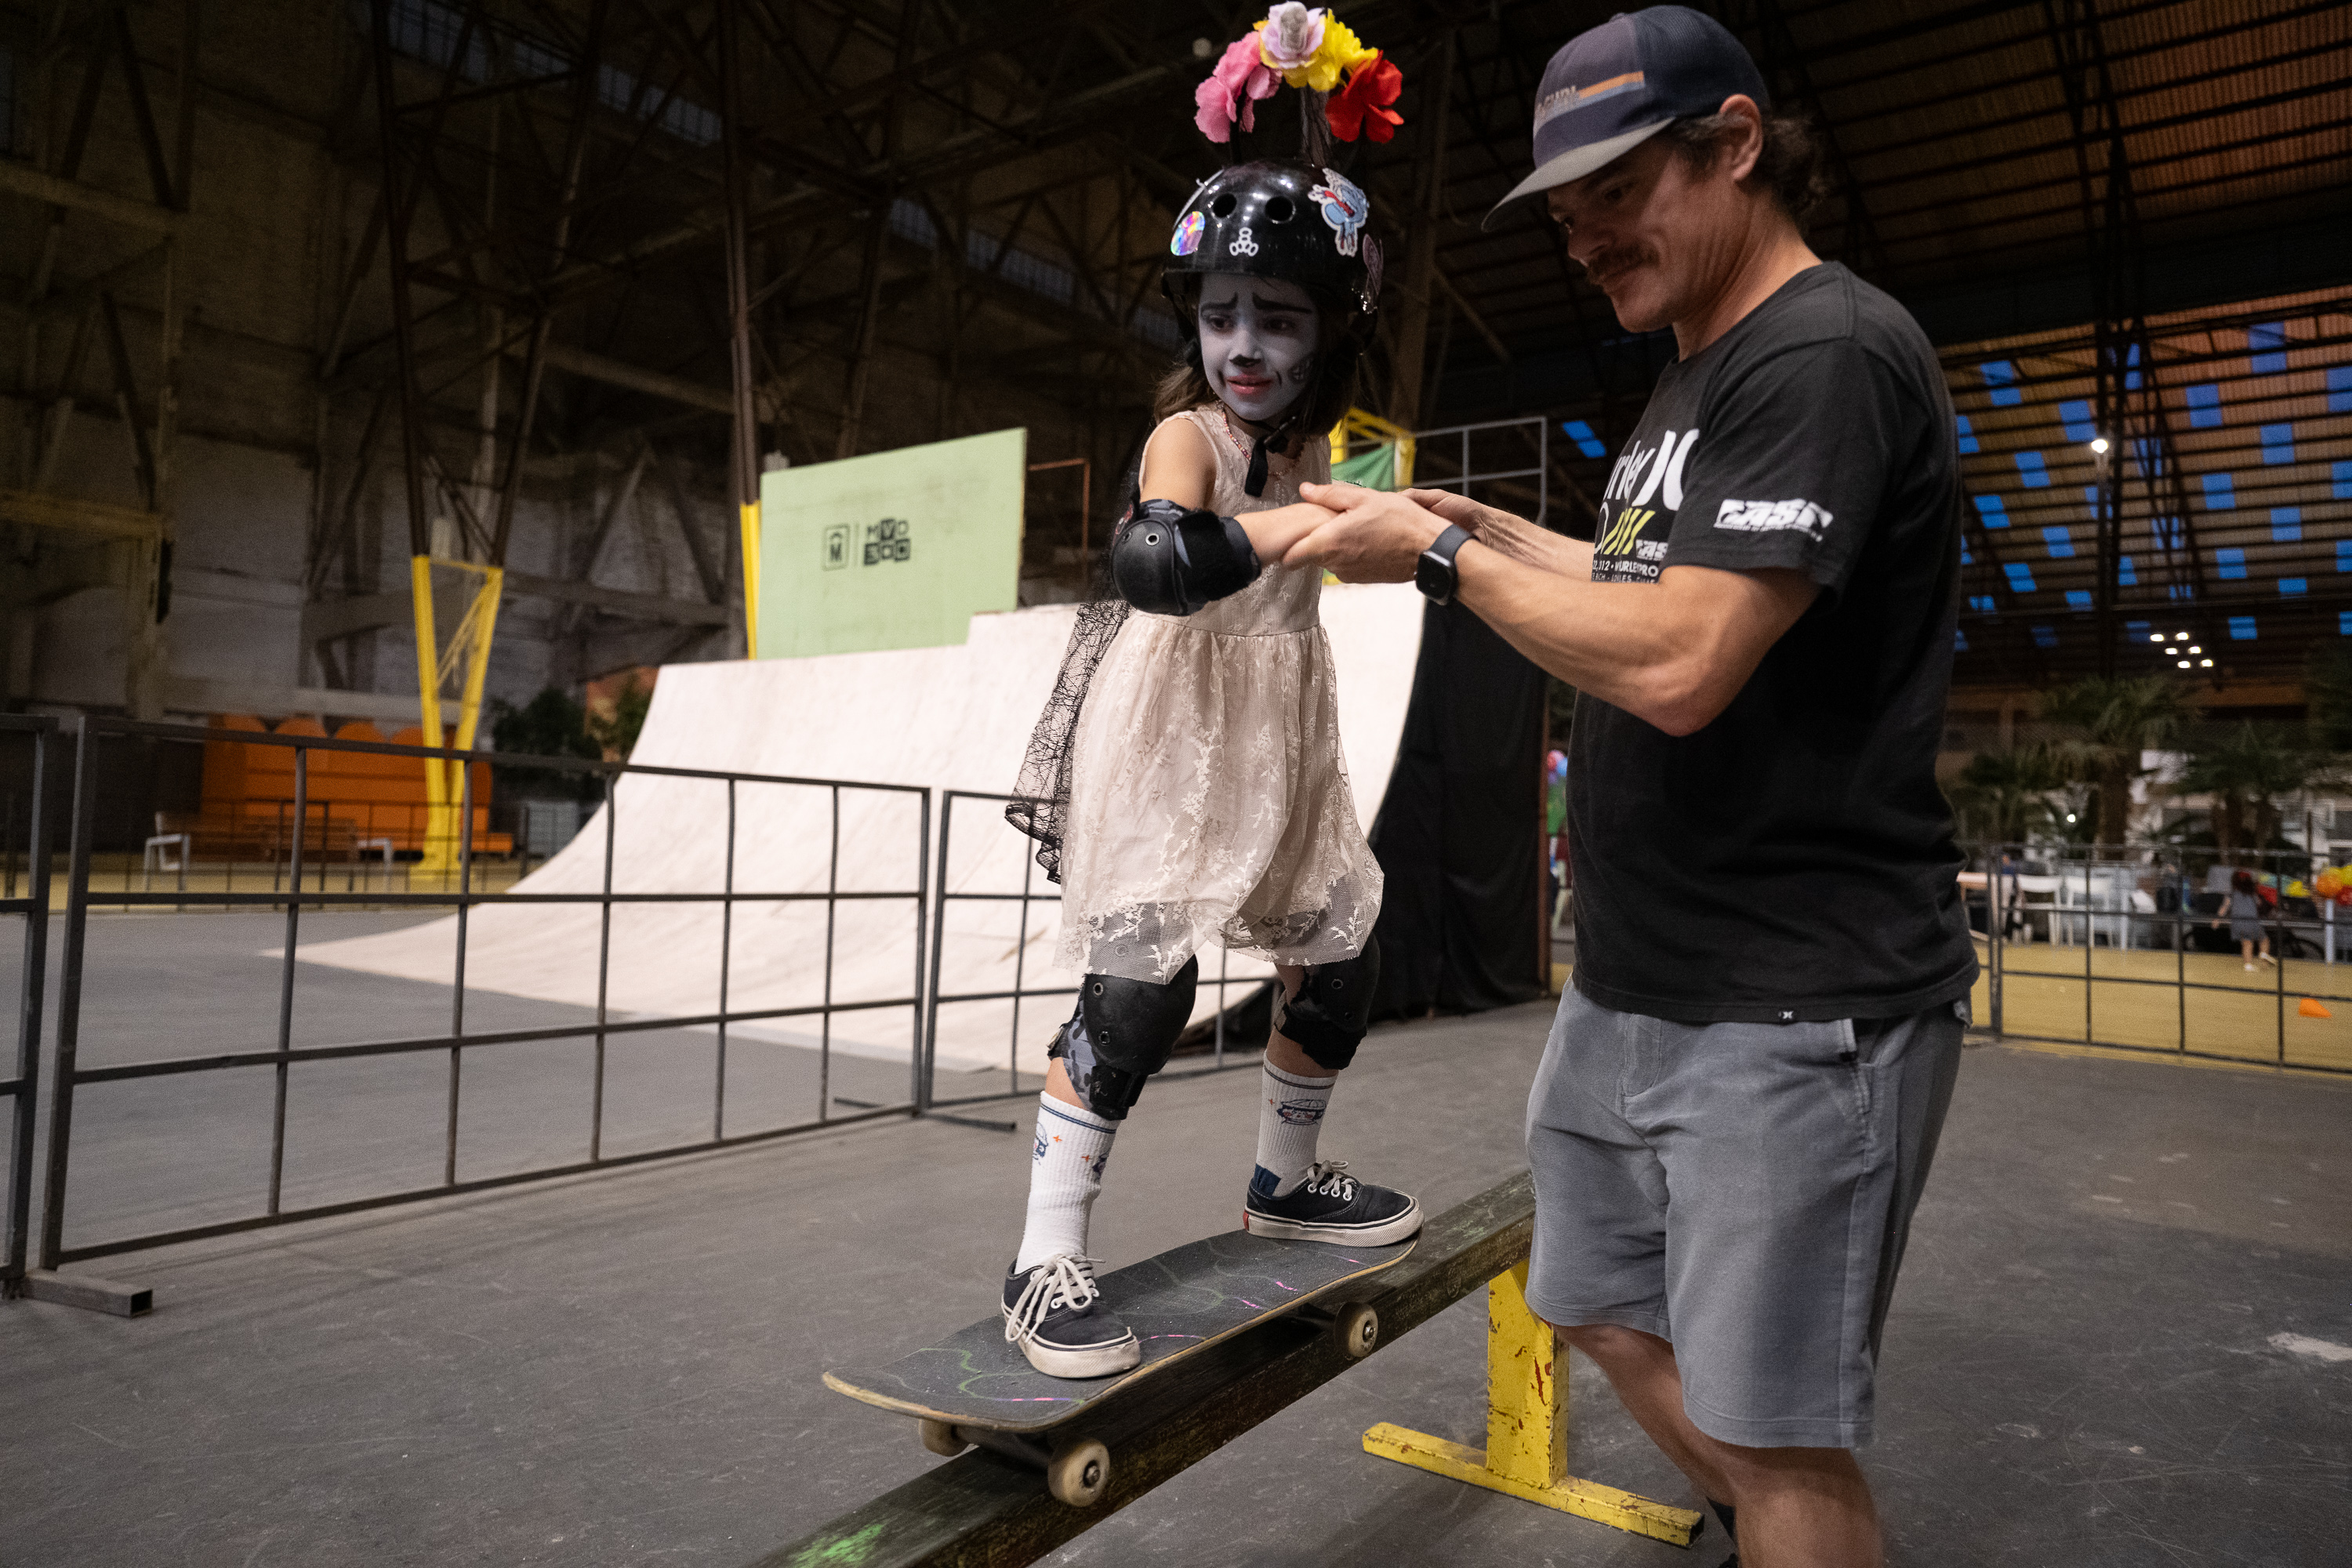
{"x": 1333, "y": 1007}
{"x": 1120, "y": 1033}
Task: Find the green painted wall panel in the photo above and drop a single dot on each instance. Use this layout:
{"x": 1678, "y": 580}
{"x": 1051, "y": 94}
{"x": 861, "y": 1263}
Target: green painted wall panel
{"x": 891, "y": 550}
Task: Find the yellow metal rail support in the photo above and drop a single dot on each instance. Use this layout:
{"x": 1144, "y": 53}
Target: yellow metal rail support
{"x": 445, "y": 833}
{"x": 751, "y": 580}
{"x": 1356, "y": 425}
{"x": 1526, "y": 1429}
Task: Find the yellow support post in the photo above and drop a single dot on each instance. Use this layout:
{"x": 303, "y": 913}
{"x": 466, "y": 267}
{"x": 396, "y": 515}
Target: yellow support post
{"x": 445, "y": 834}
{"x": 751, "y": 580}
{"x": 1375, "y": 431}
{"x": 1526, "y": 1429}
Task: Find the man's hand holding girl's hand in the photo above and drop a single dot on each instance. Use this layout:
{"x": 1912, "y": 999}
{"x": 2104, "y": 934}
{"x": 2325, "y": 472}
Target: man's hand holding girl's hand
{"x": 1367, "y": 536}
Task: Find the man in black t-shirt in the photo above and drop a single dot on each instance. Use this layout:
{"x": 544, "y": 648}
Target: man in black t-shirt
{"x": 1741, "y": 1094}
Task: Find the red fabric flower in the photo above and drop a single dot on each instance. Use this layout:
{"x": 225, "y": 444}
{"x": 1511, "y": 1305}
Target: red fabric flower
{"x": 1360, "y": 107}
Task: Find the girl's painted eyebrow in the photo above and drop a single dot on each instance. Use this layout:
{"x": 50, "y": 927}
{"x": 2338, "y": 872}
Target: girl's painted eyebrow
{"x": 1287, "y": 306}
{"x": 1219, "y": 304}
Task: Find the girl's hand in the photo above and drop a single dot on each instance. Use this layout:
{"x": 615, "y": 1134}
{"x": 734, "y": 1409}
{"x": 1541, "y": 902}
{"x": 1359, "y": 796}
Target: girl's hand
{"x": 1272, "y": 533}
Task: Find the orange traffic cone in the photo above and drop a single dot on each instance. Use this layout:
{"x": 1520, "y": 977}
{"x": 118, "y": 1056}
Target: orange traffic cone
{"x": 2310, "y": 1009}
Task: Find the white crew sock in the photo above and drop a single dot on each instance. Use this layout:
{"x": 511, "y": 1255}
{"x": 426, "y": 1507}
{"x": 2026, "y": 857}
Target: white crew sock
{"x": 1288, "y": 1125}
{"x": 1064, "y": 1179}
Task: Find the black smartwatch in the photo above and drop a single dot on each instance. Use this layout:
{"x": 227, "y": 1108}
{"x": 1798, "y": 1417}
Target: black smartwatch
{"x": 1433, "y": 574}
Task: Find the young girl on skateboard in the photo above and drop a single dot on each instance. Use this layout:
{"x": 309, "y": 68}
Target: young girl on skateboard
{"x": 1186, "y": 783}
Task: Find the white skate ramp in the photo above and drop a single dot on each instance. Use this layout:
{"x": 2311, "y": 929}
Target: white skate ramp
{"x": 939, "y": 718}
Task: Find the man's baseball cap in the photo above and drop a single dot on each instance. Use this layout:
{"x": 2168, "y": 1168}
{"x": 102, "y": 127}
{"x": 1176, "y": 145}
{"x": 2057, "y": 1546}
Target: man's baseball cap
{"x": 1613, "y": 86}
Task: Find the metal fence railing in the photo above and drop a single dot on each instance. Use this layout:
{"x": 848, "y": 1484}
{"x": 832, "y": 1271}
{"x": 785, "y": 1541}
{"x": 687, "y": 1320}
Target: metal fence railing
{"x": 993, "y": 865}
{"x": 300, "y": 891}
{"x": 25, "y": 892}
{"x": 1438, "y": 466}
{"x": 2135, "y": 940}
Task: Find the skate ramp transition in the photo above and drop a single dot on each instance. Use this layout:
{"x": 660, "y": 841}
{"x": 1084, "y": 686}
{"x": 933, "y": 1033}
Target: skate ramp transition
{"x": 943, "y": 719}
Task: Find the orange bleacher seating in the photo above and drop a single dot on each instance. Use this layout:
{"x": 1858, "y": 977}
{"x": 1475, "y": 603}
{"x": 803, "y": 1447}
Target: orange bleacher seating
{"x": 355, "y": 797}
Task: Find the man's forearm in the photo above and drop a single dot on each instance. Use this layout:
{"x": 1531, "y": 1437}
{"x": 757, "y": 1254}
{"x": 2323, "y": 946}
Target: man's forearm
{"x": 1673, "y": 653}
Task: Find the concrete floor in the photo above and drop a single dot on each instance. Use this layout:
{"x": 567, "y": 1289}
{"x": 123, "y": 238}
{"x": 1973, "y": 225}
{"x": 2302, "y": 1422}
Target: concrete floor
{"x": 2116, "y": 1341}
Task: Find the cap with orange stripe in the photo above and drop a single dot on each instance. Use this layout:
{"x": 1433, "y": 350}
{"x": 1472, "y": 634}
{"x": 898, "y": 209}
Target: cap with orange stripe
{"x": 1613, "y": 86}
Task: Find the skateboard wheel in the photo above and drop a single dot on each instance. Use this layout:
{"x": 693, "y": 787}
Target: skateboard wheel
{"x": 1358, "y": 1329}
{"x": 942, "y": 1439}
{"x": 1078, "y": 1474}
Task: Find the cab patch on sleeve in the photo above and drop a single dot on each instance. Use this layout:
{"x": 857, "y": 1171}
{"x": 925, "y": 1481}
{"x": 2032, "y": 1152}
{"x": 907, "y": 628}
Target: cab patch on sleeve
{"x": 1772, "y": 517}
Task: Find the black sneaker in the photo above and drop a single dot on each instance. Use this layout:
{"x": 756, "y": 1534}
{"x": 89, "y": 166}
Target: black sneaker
{"x": 1054, "y": 1313}
{"x": 1329, "y": 1206}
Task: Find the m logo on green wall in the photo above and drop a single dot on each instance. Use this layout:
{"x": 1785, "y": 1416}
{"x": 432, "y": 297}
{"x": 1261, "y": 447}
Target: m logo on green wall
{"x": 892, "y": 550}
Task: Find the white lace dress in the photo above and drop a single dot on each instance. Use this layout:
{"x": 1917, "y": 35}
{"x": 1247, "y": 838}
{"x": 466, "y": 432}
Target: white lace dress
{"x": 1209, "y": 799}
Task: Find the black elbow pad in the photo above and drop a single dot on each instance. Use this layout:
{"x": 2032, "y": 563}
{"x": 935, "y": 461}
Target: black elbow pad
{"x": 1172, "y": 562}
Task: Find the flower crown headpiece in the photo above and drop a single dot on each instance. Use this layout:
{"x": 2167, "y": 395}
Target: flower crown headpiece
{"x": 1313, "y": 51}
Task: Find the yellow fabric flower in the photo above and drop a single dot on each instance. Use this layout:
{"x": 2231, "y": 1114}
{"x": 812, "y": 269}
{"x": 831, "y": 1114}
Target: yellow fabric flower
{"x": 1340, "y": 50}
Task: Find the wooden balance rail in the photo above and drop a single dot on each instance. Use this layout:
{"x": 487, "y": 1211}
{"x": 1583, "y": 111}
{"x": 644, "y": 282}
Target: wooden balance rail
{"x": 984, "y": 1510}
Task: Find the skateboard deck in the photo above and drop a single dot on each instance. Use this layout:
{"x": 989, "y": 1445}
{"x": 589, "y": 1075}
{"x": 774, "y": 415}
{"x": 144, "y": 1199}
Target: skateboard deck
{"x": 1178, "y": 1302}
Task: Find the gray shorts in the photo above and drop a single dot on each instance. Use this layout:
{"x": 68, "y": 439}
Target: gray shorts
{"x": 1743, "y": 1190}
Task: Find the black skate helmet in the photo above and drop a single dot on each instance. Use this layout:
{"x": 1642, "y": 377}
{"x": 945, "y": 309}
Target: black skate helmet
{"x": 1266, "y": 219}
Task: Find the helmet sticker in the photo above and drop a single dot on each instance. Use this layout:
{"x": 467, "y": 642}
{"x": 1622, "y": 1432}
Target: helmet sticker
{"x": 1345, "y": 208}
{"x": 1244, "y": 243}
{"x": 1373, "y": 268}
{"x": 1187, "y": 238}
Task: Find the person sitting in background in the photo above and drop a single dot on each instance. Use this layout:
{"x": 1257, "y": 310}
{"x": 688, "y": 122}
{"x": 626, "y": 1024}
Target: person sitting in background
{"x": 2245, "y": 917}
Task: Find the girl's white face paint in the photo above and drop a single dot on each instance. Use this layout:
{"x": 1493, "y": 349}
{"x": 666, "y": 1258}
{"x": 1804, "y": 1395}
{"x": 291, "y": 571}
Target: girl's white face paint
{"x": 1258, "y": 338}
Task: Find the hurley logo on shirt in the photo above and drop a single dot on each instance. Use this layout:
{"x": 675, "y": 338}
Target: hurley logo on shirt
{"x": 1646, "y": 481}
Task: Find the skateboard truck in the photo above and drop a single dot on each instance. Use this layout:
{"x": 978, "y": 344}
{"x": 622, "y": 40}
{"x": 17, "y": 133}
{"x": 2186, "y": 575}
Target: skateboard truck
{"x": 1078, "y": 1469}
{"x": 1355, "y": 1325}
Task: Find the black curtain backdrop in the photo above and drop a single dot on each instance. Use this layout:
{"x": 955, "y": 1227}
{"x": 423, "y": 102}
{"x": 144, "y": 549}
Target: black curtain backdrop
{"x": 1459, "y": 831}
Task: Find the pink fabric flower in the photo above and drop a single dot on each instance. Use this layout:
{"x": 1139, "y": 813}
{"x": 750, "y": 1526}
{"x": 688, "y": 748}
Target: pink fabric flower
{"x": 1230, "y": 95}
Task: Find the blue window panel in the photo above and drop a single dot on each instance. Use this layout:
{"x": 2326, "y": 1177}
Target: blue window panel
{"x": 2341, "y": 474}
{"x": 1959, "y": 640}
{"x": 2278, "y": 443}
{"x": 1983, "y": 603}
{"x": 2170, "y": 534}
{"x": 2002, "y": 377}
{"x": 2045, "y": 636}
{"x": 2075, "y": 416}
{"x": 2290, "y": 587}
{"x": 2344, "y": 623}
{"x": 1967, "y": 435}
{"x": 2034, "y": 471}
{"x": 2147, "y": 456}
{"x": 2061, "y": 542}
{"x": 1967, "y": 559}
{"x": 2204, "y": 407}
{"x": 2233, "y": 562}
{"x": 2131, "y": 377}
{"x": 2344, "y": 555}
{"x": 2129, "y": 578}
{"x": 2220, "y": 494}
{"x": 2241, "y": 629}
{"x": 2286, "y": 524}
{"x": 2136, "y": 630}
{"x": 1578, "y": 431}
{"x": 2267, "y": 342}
{"x": 2339, "y": 389}
{"x": 2021, "y": 577}
{"x": 1992, "y": 514}
{"x": 2091, "y": 498}
{"x": 2078, "y": 598}
{"x": 2181, "y": 591}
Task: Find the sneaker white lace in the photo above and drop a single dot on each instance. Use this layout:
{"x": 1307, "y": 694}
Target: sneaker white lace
{"x": 1324, "y": 1180}
{"x": 1064, "y": 1281}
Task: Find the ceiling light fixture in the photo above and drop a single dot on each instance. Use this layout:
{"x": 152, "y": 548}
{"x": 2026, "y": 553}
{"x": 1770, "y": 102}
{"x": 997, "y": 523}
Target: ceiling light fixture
{"x": 2184, "y": 664}
{"x": 2099, "y": 445}
{"x": 2206, "y": 662}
